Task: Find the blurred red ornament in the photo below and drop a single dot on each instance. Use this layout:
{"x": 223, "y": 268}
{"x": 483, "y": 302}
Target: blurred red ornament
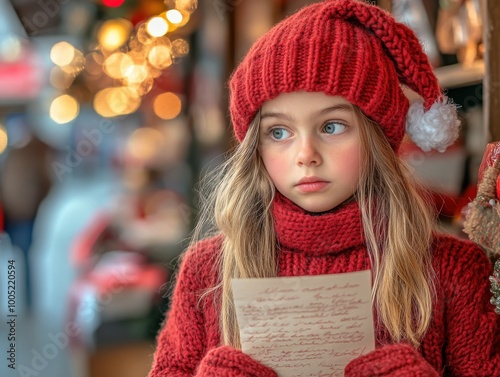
{"x": 113, "y": 3}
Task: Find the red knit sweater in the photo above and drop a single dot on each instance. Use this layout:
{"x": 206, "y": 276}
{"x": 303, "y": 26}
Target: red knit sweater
{"x": 463, "y": 338}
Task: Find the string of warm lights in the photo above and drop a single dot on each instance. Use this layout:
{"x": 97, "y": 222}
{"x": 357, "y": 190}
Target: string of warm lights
{"x": 127, "y": 58}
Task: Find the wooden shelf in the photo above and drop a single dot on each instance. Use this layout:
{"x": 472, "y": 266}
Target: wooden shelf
{"x": 458, "y": 75}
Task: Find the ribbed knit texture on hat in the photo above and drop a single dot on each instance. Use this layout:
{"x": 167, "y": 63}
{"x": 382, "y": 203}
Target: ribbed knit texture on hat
{"x": 339, "y": 47}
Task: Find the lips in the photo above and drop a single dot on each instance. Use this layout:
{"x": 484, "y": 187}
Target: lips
{"x": 311, "y": 184}
{"x": 311, "y": 179}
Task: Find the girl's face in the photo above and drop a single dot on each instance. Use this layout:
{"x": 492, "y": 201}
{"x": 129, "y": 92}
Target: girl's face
{"x": 310, "y": 146}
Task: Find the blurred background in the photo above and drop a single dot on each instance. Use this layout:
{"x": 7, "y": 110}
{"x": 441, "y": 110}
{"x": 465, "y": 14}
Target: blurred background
{"x": 111, "y": 111}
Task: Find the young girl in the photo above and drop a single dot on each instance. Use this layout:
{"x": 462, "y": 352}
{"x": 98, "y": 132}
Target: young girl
{"x": 316, "y": 187}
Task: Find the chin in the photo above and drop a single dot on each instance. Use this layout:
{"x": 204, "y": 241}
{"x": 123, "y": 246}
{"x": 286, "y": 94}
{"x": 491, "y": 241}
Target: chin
{"x": 315, "y": 208}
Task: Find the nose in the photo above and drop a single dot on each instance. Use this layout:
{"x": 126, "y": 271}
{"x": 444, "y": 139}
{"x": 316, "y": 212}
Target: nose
{"x": 308, "y": 153}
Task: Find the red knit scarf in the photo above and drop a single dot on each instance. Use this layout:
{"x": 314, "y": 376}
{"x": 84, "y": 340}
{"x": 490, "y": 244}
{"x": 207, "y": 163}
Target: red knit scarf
{"x": 329, "y": 232}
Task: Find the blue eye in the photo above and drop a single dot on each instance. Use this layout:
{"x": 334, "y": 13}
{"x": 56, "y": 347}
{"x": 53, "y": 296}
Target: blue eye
{"x": 279, "y": 133}
{"x": 334, "y": 128}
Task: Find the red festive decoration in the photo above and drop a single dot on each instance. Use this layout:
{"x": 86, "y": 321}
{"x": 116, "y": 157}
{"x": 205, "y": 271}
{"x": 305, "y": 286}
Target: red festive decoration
{"x": 113, "y": 3}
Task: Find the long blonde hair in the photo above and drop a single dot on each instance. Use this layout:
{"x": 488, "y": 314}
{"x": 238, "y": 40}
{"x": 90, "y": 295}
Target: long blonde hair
{"x": 397, "y": 224}
{"x": 398, "y": 227}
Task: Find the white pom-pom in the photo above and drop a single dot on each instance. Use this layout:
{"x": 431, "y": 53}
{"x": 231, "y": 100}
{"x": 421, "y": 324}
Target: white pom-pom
{"x": 436, "y": 128}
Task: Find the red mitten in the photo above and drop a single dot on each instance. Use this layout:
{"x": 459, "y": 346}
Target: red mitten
{"x": 397, "y": 360}
{"x": 229, "y": 362}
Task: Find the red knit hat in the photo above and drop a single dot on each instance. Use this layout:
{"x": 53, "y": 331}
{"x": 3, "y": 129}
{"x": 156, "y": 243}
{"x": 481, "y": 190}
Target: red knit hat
{"x": 354, "y": 50}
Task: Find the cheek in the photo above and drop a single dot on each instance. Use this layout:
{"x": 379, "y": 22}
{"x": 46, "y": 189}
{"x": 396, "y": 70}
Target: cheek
{"x": 274, "y": 163}
{"x": 349, "y": 164}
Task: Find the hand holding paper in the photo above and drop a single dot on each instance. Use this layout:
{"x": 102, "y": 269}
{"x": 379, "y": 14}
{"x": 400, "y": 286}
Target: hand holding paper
{"x": 306, "y": 326}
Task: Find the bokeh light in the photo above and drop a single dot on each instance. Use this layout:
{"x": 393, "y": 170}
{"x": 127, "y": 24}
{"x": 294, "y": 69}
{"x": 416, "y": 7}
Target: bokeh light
{"x": 4, "y": 141}
{"x": 157, "y": 27}
{"x": 142, "y": 88}
{"x": 143, "y": 36}
{"x": 111, "y": 102}
{"x": 160, "y": 57}
{"x": 185, "y": 18}
{"x": 62, "y": 53}
{"x": 174, "y": 16}
{"x": 113, "y": 34}
{"x": 180, "y": 48}
{"x": 186, "y": 5}
{"x": 124, "y": 100}
{"x": 136, "y": 74}
{"x": 64, "y": 109}
{"x": 167, "y": 105}
{"x": 117, "y": 64}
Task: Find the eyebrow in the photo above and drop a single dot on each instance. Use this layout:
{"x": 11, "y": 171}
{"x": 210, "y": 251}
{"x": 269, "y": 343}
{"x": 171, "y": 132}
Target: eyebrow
{"x": 271, "y": 114}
